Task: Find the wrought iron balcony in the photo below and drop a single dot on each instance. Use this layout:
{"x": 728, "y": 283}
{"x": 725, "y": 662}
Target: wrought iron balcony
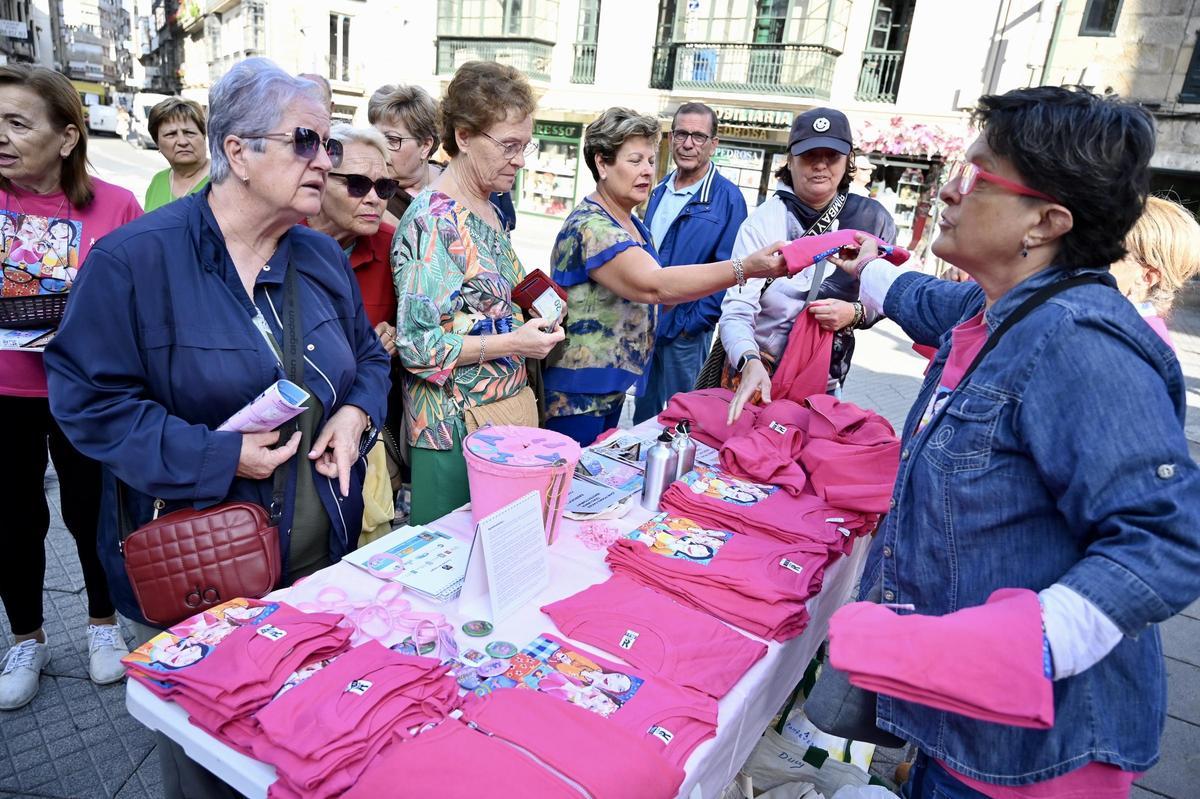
{"x": 531, "y": 56}
{"x": 804, "y": 70}
{"x": 879, "y": 79}
{"x": 584, "y": 70}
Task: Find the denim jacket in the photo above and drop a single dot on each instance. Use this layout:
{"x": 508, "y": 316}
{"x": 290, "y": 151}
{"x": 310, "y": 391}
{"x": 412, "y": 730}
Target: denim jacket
{"x": 1062, "y": 459}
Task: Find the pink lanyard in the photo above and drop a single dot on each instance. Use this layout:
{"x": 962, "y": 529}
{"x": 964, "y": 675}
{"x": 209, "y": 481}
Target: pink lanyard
{"x": 384, "y": 616}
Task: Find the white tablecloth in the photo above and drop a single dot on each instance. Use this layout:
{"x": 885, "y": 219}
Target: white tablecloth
{"x": 743, "y": 714}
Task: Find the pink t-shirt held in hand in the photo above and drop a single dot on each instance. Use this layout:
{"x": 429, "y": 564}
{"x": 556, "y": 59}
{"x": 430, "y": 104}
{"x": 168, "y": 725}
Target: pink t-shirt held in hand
{"x": 48, "y": 240}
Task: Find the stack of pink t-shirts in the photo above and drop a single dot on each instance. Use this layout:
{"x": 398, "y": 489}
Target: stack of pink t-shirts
{"x": 770, "y": 451}
{"x": 752, "y": 583}
{"x": 669, "y": 718}
{"x": 523, "y": 743}
{"x": 708, "y": 410}
{"x": 650, "y": 631}
{"x": 997, "y": 672}
{"x": 719, "y": 500}
{"x": 842, "y": 453}
{"x": 322, "y": 734}
{"x": 222, "y": 684}
{"x": 851, "y": 455}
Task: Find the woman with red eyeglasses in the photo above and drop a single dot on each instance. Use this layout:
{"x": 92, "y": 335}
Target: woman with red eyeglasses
{"x": 1045, "y": 487}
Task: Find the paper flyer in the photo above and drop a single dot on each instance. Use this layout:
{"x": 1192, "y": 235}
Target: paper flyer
{"x": 430, "y": 562}
{"x": 589, "y": 497}
{"x": 26, "y": 340}
{"x": 281, "y": 402}
{"x": 509, "y": 562}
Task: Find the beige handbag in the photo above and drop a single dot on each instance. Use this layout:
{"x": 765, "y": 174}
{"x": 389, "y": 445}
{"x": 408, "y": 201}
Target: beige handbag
{"x": 519, "y": 410}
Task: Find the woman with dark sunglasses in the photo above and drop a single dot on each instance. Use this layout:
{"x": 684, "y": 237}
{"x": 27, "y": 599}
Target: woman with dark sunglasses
{"x": 1044, "y": 462}
{"x": 189, "y": 316}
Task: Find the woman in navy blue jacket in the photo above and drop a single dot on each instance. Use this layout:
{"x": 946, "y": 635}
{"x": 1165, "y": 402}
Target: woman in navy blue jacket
{"x": 178, "y": 324}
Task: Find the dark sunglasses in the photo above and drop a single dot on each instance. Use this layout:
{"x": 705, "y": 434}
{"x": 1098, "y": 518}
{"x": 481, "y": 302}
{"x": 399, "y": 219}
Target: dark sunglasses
{"x": 361, "y": 185}
{"x": 306, "y": 141}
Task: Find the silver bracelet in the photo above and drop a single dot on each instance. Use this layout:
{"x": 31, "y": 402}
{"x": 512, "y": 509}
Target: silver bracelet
{"x": 739, "y": 274}
{"x": 482, "y": 348}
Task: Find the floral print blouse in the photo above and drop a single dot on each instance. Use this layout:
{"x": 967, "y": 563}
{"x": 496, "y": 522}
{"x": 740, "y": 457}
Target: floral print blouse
{"x": 454, "y": 275}
{"x": 609, "y": 338}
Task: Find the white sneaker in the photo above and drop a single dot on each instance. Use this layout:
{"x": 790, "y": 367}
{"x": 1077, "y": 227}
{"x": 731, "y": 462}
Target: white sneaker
{"x": 106, "y": 647}
{"x": 22, "y": 668}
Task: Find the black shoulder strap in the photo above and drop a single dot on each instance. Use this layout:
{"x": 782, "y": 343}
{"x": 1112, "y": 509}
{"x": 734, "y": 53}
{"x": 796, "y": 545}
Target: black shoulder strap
{"x": 293, "y": 364}
{"x": 822, "y": 225}
{"x": 1023, "y": 310}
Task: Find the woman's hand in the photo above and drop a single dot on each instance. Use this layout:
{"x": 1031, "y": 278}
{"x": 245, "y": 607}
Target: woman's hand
{"x": 868, "y": 250}
{"x": 832, "y": 314}
{"x": 532, "y": 340}
{"x": 387, "y": 337}
{"x": 767, "y": 262}
{"x": 258, "y": 460}
{"x": 755, "y": 386}
{"x": 336, "y": 447}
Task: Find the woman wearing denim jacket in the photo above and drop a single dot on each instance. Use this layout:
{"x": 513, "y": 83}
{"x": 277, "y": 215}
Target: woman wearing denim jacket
{"x": 1058, "y": 466}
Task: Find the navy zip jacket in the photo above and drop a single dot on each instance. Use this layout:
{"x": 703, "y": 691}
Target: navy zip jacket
{"x": 703, "y": 233}
{"x": 158, "y": 348}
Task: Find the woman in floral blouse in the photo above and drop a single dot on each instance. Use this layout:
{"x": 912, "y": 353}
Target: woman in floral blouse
{"x": 459, "y": 336}
{"x": 604, "y": 258}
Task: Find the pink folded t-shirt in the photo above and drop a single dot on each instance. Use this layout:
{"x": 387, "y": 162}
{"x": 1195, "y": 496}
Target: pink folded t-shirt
{"x": 997, "y": 674}
{"x": 651, "y": 632}
{"x": 717, "y": 499}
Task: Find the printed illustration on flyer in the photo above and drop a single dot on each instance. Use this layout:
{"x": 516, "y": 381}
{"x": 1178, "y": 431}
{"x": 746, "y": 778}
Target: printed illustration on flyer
{"x": 40, "y": 254}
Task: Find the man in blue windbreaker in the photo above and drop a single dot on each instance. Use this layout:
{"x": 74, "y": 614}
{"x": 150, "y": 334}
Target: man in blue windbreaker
{"x": 693, "y": 215}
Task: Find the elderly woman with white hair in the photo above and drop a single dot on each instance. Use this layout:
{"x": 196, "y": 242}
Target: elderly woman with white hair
{"x": 187, "y": 318}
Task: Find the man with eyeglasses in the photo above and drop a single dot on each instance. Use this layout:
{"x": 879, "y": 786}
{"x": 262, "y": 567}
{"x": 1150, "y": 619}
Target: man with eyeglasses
{"x": 693, "y": 215}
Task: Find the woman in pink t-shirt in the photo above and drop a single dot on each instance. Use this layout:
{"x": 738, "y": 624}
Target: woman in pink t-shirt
{"x": 52, "y": 211}
{"x": 1163, "y": 254}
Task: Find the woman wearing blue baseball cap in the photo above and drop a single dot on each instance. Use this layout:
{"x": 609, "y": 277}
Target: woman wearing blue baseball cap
{"x": 812, "y": 196}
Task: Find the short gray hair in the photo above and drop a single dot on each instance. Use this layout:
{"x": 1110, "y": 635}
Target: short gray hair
{"x": 345, "y": 133}
{"x": 609, "y": 131}
{"x": 249, "y": 100}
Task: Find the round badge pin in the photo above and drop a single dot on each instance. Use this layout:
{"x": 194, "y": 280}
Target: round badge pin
{"x": 411, "y": 647}
{"x": 500, "y": 649}
{"x": 491, "y": 668}
{"x": 468, "y": 678}
{"x": 478, "y": 628}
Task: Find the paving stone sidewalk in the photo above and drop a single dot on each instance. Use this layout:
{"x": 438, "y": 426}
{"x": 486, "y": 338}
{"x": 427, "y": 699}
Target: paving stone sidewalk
{"x": 75, "y": 741}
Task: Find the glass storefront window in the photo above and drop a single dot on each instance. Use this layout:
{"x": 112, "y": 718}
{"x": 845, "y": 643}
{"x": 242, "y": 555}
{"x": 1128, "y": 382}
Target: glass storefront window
{"x": 548, "y": 180}
{"x": 743, "y": 166}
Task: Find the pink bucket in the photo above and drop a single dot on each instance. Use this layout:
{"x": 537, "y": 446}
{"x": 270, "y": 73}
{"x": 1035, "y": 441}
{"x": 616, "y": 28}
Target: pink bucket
{"x": 505, "y": 462}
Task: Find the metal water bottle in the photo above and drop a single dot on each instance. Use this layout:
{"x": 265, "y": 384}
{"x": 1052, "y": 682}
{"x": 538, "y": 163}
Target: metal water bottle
{"x": 685, "y": 448}
{"x": 661, "y": 463}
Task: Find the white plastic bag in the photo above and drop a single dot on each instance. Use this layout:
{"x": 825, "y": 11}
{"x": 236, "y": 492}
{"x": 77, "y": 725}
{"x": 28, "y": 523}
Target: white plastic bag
{"x": 799, "y": 729}
{"x": 777, "y": 760}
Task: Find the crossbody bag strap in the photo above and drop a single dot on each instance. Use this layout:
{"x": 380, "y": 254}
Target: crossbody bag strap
{"x": 293, "y": 365}
{"x": 822, "y": 225}
{"x": 1023, "y": 310}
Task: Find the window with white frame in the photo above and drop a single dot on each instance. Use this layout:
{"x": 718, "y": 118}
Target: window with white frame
{"x": 339, "y": 47}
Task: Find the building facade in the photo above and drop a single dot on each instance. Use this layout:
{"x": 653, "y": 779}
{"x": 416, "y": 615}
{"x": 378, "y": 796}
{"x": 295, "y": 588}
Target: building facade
{"x": 906, "y": 72}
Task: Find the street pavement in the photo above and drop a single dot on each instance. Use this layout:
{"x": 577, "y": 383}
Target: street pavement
{"x": 76, "y": 741}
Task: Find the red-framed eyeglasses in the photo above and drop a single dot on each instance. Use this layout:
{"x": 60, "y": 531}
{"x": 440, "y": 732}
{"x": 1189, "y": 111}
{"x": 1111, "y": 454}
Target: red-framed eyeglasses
{"x": 969, "y": 175}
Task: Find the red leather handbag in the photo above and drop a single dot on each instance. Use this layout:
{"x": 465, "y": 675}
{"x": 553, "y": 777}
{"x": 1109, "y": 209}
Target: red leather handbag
{"x": 188, "y": 560}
